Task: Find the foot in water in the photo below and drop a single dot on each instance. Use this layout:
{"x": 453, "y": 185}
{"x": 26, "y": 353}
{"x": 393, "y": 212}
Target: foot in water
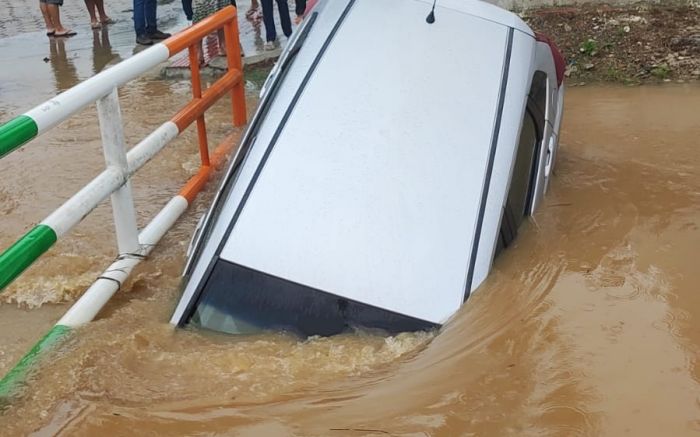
{"x": 64, "y": 32}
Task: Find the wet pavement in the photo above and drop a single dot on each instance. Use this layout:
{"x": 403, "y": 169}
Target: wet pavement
{"x": 40, "y": 66}
{"x": 588, "y": 325}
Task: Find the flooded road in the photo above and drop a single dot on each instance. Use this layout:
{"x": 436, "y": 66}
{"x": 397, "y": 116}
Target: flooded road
{"x": 588, "y": 325}
{"x": 41, "y": 66}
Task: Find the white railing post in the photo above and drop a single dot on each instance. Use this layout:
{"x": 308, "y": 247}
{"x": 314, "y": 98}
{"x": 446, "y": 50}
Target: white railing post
{"x": 114, "y": 148}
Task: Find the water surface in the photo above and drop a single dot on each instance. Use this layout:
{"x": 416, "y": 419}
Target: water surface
{"x": 588, "y": 325}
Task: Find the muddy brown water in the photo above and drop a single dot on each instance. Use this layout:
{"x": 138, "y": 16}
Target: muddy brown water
{"x": 588, "y": 325}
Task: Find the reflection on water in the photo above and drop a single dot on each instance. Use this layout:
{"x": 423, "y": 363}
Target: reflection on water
{"x": 589, "y": 324}
{"x": 62, "y": 63}
{"x": 35, "y": 67}
{"x": 102, "y": 52}
{"x": 63, "y": 69}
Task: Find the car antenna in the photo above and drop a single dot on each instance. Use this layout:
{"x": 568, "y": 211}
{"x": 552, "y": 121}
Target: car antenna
{"x": 430, "y": 19}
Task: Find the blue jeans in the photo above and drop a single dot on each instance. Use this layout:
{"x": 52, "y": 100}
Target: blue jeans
{"x": 145, "y": 17}
{"x": 269, "y": 19}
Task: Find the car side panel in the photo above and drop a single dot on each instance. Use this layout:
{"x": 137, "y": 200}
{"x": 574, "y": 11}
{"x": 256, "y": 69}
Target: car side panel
{"x": 518, "y": 86}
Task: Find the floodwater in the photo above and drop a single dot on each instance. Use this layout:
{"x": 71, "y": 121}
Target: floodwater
{"x": 588, "y": 325}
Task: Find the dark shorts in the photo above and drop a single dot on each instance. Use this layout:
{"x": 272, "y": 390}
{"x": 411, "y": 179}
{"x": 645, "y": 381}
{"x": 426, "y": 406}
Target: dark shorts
{"x": 52, "y": 2}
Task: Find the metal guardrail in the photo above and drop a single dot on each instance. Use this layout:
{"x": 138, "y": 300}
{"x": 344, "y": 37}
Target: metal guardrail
{"x": 133, "y": 246}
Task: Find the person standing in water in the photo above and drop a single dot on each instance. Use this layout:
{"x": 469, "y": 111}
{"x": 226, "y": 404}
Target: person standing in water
{"x": 52, "y": 18}
{"x": 145, "y": 23}
{"x": 94, "y": 7}
{"x": 269, "y": 20}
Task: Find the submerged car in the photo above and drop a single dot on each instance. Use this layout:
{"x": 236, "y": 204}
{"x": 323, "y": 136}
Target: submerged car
{"x": 392, "y": 157}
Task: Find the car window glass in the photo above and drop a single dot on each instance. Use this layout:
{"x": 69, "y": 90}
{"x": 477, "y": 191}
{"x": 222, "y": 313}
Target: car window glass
{"x": 518, "y": 201}
{"x": 520, "y": 182}
{"x": 538, "y": 91}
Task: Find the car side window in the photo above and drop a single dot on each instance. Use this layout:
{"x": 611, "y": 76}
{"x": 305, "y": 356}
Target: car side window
{"x": 519, "y": 195}
{"x": 522, "y": 171}
{"x": 538, "y": 91}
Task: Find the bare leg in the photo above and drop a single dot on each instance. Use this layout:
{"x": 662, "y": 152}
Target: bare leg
{"x": 91, "y": 10}
{"x": 47, "y": 19}
{"x": 104, "y": 19}
{"x": 55, "y": 17}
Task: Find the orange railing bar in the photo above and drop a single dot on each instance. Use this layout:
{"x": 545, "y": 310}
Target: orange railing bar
{"x": 232, "y": 81}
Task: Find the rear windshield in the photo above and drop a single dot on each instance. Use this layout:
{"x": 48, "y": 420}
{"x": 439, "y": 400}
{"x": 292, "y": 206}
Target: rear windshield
{"x": 239, "y": 300}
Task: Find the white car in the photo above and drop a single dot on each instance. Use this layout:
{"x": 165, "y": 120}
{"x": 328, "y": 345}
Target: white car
{"x": 392, "y": 157}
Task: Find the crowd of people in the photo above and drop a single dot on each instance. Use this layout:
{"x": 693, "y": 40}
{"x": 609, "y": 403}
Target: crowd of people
{"x": 145, "y": 17}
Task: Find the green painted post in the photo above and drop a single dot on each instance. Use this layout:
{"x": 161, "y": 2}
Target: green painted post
{"x": 16, "y": 132}
{"x": 24, "y": 252}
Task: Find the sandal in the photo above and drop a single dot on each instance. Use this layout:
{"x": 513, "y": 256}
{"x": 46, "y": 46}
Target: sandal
{"x": 95, "y": 25}
{"x": 249, "y": 14}
{"x": 66, "y": 33}
{"x": 108, "y": 21}
{"x": 50, "y": 33}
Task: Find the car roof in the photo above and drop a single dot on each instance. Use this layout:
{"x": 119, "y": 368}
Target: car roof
{"x": 372, "y": 189}
{"x": 364, "y": 178}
